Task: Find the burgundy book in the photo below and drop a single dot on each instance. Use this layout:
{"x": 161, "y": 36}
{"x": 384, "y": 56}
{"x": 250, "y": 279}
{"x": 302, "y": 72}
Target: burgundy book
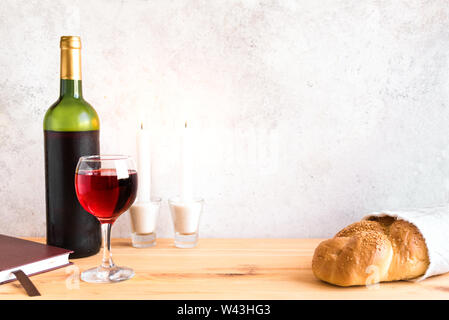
{"x": 30, "y": 257}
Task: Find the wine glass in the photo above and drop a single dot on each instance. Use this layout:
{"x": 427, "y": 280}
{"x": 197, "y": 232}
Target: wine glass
{"x": 106, "y": 186}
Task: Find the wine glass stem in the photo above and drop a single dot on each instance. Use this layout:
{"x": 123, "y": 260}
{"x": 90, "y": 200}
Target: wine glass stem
{"x": 107, "y": 256}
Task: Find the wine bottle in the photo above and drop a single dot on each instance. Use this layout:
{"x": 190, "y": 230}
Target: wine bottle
{"x": 71, "y": 130}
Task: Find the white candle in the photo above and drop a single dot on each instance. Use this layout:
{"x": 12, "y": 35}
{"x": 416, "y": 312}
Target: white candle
{"x": 144, "y": 217}
{"x": 186, "y": 217}
{"x": 143, "y": 164}
{"x": 186, "y": 165}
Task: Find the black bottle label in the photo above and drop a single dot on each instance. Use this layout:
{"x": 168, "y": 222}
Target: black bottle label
{"x": 68, "y": 225}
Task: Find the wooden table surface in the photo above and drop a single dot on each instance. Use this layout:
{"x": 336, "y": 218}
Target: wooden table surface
{"x": 217, "y": 269}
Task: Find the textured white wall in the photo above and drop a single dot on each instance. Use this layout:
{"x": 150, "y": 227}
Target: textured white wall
{"x": 307, "y": 114}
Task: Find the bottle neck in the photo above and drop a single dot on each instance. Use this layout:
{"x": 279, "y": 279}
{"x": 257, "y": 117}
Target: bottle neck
{"x": 71, "y": 71}
{"x": 71, "y": 88}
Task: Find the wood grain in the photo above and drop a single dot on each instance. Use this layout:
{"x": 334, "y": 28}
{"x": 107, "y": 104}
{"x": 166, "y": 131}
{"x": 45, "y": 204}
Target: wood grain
{"x": 217, "y": 269}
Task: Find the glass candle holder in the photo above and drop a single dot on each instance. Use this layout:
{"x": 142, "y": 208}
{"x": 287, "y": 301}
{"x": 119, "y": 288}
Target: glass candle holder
{"x": 186, "y": 218}
{"x": 144, "y": 217}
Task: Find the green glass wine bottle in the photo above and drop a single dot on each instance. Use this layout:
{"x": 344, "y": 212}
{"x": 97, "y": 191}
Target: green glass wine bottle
{"x": 71, "y": 130}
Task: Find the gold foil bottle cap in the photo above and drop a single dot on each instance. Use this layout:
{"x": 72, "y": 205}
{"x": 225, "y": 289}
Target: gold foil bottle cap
{"x": 70, "y": 57}
{"x": 70, "y": 42}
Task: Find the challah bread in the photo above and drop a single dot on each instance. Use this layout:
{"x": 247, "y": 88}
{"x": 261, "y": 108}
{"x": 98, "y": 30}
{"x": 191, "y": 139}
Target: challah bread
{"x": 369, "y": 251}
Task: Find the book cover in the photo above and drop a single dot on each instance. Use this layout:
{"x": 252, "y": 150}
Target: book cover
{"x": 30, "y": 257}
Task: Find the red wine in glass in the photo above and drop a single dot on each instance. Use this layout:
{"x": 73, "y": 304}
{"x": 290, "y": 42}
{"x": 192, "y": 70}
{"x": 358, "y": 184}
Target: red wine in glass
{"x": 106, "y": 186}
{"x": 103, "y": 194}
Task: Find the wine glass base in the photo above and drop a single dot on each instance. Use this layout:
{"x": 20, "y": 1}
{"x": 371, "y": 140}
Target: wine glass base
{"x": 107, "y": 275}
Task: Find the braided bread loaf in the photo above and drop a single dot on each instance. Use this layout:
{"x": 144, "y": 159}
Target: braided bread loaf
{"x": 370, "y": 251}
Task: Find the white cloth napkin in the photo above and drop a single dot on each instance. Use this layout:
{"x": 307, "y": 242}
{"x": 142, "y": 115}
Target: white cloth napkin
{"x": 433, "y": 223}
